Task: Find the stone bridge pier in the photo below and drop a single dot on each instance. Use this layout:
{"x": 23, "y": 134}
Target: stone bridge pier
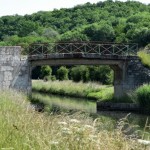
{"x": 15, "y": 71}
{"x": 128, "y": 75}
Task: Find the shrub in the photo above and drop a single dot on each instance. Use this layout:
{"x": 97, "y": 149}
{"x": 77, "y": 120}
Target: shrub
{"x": 47, "y": 78}
{"x": 80, "y": 73}
{"x": 62, "y": 73}
{"x": 75, "y": 74}
{"x": 46, "y": 71}
{"x": 143, "y": 96}
{"x": 145, "y": 58}
{"x": 102, "y": 74}
{"x": 53, "y": 78}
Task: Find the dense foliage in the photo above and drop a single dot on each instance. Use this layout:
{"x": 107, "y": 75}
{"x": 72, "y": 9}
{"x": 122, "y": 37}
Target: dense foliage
{"x": 143, "y": 97}
{"x": 45, "y": 72}
{"x": 101, "y": 74}
{"x": 62, "y": 73}
{"x": 105, "y": 21}
{"x": 144, "y": 56}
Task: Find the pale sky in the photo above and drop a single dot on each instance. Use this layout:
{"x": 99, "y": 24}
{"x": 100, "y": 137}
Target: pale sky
{"x": 22, "y": 7}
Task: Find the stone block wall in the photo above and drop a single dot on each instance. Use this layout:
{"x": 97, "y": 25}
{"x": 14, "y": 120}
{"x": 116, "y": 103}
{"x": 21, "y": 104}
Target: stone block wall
{"x": 129, "y": 75}
{"x": 14, "y": 71}
{"x": 137, "y": 72}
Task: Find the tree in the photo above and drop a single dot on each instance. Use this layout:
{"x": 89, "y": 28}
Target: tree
{"x": 100, "y": 32}
{"x": 80, "y": 73}
{"x": 102, "y": 74}
{"x": 49, "y": 33}
{"x": 62, "y": 73}
{"x": 46, "y": 71}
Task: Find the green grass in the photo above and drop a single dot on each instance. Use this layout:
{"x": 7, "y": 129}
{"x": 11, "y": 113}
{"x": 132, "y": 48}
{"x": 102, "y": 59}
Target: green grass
{"x": 22, "y": 128}
{"x": 145, "y": 58}
{"x": 68, "y": 88}
{"x": 142, "y": 96}
{"x": 105, "y": 93}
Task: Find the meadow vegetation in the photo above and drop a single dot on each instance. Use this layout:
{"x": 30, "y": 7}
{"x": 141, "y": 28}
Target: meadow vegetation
{"x": 142, "y": 97}
{"x": 144, "y": 57}
{"x": 24, "y": 128}
{"x": 90, "y": 90}
{"x": 94, "y": 91}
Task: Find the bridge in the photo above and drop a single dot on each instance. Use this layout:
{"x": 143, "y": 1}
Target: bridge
{"x": 122, "y": 58}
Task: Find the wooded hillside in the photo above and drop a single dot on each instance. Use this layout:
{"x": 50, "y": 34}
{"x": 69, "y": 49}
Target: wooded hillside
{"x": 105, "y": 21}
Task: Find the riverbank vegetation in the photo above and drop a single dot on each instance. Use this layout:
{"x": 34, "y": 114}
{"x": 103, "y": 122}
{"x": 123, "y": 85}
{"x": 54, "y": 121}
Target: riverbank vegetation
{"x": 106, "y": 21}
{"x": 142, "y": 97}
{"x": 23, "y": 128}
{"x": 69, "y": 88}
{"x": 145, "y": 56}
{"x": 94, "y": 91}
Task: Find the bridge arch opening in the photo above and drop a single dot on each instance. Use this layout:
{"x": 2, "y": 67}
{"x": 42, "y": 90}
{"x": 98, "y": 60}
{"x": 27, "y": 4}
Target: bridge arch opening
{"x": 100, "y": 74}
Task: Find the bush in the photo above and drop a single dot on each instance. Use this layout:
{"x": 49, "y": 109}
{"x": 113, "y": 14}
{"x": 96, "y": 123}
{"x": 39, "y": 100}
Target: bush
{"x": 53, "y": 78}
{"x": 62, "y": 73}
{"x": 143, "y": 96}
{"x": 145, "y": 58}
{"x": 80, "y": 73}
{"x": 103, "y": 74}
{"x": 46, "y": 71}
{"x": 47, "y": 78}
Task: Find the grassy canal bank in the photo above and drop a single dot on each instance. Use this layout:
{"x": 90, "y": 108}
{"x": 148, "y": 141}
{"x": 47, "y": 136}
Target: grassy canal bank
{"x": 94, "y": 91}
{"x": 24, "y": 128}
{"x": 88, "y": 90}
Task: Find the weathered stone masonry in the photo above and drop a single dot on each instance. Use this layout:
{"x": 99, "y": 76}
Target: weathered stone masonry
{"x": 14, "y": 71}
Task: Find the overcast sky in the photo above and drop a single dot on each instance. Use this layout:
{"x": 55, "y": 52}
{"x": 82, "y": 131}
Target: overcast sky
{"x": 22, "y": 7}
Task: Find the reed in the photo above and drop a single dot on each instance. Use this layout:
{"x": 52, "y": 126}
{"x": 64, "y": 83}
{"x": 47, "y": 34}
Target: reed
{"x": 22, "y": 128}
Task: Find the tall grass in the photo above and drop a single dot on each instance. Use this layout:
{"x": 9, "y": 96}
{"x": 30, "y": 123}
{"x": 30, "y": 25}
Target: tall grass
{"x": 22, "y": 128}
{"x": 142, "y": 96}
{"x": 145, "y": 58}
{"x": 68, "y": 88}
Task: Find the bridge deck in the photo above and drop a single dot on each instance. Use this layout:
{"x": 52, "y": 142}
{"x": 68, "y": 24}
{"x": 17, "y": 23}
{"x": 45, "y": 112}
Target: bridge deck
{"x": 82, "y": 49}
{"x": 78, "y": 59}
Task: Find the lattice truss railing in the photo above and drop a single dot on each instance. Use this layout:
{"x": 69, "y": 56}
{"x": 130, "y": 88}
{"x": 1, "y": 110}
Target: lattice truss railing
{"x": 84, "y": 47}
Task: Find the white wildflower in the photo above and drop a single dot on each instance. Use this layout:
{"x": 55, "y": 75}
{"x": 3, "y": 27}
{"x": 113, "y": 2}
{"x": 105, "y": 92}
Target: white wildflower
{"x": 54, "y": 142}
{"x": 62, "y": 123}
{"x": 66, "y": 131}
{"x": 74, "y": 121}
{"x": 88, "y": 127}
{"x": 144, "y": 142}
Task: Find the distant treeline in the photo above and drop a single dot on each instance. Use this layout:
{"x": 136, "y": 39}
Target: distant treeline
{"x": 102, "y": 74}
{"x": 106, "y": 21}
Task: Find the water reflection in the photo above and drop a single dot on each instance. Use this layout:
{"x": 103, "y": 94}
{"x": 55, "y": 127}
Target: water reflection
{"x": 65, "y": 103}
{"x": 61, "y": 103}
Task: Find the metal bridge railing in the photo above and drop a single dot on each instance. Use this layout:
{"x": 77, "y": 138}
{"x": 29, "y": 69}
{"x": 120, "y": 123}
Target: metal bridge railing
{"x": 120, "y": 49}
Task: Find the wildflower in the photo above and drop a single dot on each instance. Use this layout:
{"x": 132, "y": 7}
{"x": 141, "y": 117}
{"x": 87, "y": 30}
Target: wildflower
{"x": 66, "y": 131}
{"x": 54, "y": 142}
{"x": 74, "y": 121}
{"x": 62, "y": 123}
{"x": 143, "y": 142}
{"x": 88, "y": 127}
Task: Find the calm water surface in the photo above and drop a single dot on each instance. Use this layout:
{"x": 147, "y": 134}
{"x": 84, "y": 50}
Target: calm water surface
{"x": 62, "y": 103}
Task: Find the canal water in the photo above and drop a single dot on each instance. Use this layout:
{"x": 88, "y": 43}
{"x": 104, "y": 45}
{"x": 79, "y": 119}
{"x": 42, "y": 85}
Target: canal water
{"x": 55, "y": 103}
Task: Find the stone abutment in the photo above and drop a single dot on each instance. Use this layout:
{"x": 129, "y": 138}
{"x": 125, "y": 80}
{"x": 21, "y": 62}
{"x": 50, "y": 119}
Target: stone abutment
{"x": 14, "y": 70}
